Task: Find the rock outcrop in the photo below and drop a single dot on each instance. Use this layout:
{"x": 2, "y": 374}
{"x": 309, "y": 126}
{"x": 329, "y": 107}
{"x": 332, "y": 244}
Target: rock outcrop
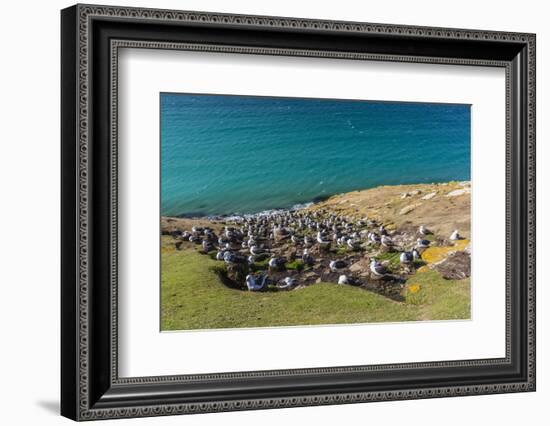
{"x": 456, "y": 266}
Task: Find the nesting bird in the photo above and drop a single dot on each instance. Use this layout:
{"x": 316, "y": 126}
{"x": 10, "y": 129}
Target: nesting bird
{"x": 276, "y": 262}
{"x": 374, "y": 237}
{"x": 320, "y": 239}
{"x": 422, "y": 243}
{"x": 336, "y": 265}
{"x": 343, "y": 279}
{"x": 307, "y": 258}
{"x": 207, "y": 246}
{"x": 288, "y": 282}
{"x": 255, "y": 250}
{"x": 353, "y": 244}
{"x": 377, "y": 268}
{"x": 254, "y": 283}
{"x": 386, "y": 241}
{"x": 455, "y": 235}
{"x": 406, "y": 257}
{"x": 229, "y": 257}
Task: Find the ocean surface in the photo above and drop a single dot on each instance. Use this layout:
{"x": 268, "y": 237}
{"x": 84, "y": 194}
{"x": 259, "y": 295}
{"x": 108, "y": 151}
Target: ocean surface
{"x": 224, "y": 155}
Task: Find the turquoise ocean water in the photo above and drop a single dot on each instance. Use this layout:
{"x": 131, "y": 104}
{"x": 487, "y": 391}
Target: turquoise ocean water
{"x": 225, "y": 155}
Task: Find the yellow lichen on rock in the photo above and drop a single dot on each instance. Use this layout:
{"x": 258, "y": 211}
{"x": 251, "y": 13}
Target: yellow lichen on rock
{"x": 437, "y": 254}
{"x": 461, "y": 245}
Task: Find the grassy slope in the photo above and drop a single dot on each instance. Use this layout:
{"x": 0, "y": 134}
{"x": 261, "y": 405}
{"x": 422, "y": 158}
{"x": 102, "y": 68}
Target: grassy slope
{"x": 194, "y": 298}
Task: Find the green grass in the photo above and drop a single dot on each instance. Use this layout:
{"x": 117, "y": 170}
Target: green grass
{"x": 394, "y": 264}
{"x": 193, "y": 297}
{"x": 343, "y": 250}
{"x": 261, "y": 265}
{"x": 440, "y": 299}
{"x": 212, "y": 255}
{"x": 297, "y": 265}
{"x": 392, "y": 257}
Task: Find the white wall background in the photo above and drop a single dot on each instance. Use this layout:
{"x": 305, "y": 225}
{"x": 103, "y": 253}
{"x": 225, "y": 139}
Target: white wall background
{"x": 29, "y": 213}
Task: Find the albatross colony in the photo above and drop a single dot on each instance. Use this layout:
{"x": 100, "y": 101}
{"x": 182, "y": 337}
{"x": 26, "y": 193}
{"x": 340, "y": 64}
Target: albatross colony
{"x": 362, "y": 239}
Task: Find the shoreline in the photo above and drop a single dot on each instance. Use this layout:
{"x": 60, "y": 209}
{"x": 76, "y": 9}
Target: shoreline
{"x": 409, "y": 202}
{"x": 231, "y": 216}
{"x": 294, "y": 207}
{"x": 302, "y": 204}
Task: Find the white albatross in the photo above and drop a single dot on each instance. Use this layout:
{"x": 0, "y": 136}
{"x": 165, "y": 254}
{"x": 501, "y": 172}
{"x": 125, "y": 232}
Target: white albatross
{"x": 320, "y": 239}
{"x": 230, "y": 257}
{"x": 374, "y": 237}
{"x": 207, "y": 246}
{"x": 343, "y": 279}
{"x": 307, "y": 258}
{"x": 386, "y": 241}
{"x": 422, "y": 243}
{"x": 353, "y": 244}
{"x": 276, "y": 262}
{"x": 287, "y": 283}
{"x": 256, "y": 283}
{"x": 336, "y": 265}
{"x": 377, "y": 268}
{"x": 455, "y": 235}
{"x": 255, "y": 250}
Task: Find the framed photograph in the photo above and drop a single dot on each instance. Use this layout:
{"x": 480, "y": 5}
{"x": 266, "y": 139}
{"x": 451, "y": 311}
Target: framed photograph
{"x": 263, "y": 212}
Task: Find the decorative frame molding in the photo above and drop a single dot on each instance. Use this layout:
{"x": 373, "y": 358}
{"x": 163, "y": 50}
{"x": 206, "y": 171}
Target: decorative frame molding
{"x": 87, "y": 397}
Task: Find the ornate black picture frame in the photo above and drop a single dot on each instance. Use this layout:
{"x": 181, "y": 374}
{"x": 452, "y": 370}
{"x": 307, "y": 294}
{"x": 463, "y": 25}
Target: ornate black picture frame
{"x": 91, "y": 37}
